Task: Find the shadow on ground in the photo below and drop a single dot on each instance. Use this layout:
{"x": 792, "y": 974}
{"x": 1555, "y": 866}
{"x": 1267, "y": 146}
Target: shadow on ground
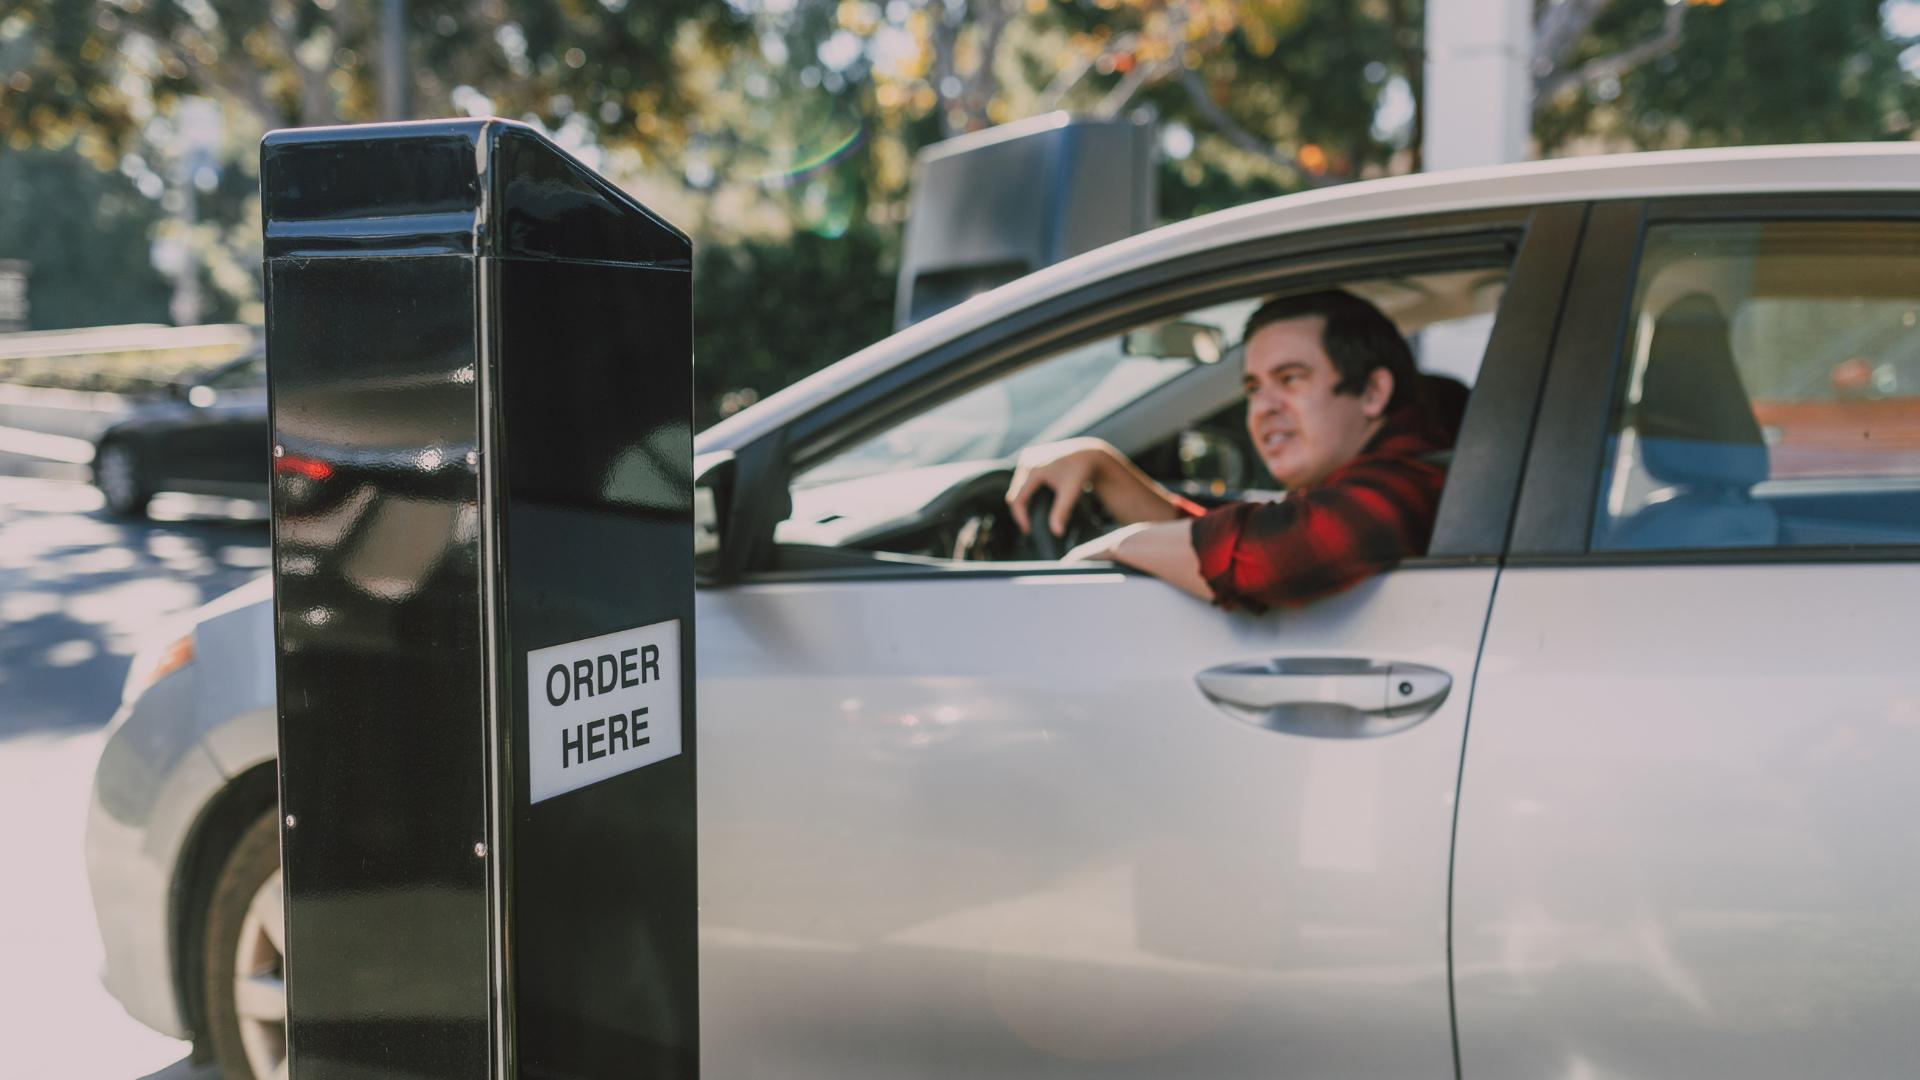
{"x": 80, "y": 591}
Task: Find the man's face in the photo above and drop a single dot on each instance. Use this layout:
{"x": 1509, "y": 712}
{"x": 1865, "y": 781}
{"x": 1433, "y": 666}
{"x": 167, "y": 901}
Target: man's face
{"x": 1302, "y": 429}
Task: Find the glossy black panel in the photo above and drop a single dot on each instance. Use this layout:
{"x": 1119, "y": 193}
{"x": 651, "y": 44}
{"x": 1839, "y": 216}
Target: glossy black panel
{"x": 1474, "y": 517}
{"x": 553, "y": 207}
{"x": 483, "y": 452}
{"x": 391, "y": 188}
{"x": 1555, "y": 512}
{"x": 417, "y": 189}
{"x": 381, "y": 666}
{"x": 596, "y": 454}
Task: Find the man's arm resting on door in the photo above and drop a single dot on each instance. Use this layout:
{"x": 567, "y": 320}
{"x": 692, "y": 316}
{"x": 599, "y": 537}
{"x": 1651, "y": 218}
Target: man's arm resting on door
{"x": 1163, "y": 549}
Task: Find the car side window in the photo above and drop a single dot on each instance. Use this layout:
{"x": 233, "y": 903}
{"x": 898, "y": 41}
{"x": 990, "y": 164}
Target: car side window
{"x": 1770, "y": 390}
{"x": 927, "y": 486}
{"x": 251, "y": 374}
{"x": 1053, "y": 398}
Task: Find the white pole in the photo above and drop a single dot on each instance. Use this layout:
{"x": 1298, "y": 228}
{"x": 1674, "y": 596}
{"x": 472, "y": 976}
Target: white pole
{"x": 1479, "y": 93}
{"x": 200, "y": 125}
{"x": 394, "y": 77}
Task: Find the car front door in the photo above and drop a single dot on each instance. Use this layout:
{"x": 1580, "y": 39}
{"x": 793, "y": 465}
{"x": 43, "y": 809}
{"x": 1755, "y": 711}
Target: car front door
{"x": 240, "y": 440}
{"x": 1685, "y": 842}
{"x": 221, "y": 443}
{"x": 972, "y": 820}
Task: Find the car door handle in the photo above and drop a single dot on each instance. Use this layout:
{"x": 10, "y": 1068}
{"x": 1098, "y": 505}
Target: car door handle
{"x": 1327, "y": 697}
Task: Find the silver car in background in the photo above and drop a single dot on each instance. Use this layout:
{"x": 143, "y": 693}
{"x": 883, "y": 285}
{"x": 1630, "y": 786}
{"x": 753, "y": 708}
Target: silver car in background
{"x": 1613, "y": 782}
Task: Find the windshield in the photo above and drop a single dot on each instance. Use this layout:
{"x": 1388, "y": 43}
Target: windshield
{"x": 1060, "y": 396}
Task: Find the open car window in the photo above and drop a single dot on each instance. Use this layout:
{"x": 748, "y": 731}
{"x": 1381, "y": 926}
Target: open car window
{"x": 1054, "y": 398}
{"x": 1166, "y": 392}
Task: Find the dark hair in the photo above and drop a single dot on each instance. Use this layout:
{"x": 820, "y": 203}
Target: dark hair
{"x": 1356, "y": 336}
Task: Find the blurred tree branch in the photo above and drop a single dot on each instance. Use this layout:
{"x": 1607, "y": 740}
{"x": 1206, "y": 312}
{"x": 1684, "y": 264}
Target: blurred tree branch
{"x": 1564, "y": 26}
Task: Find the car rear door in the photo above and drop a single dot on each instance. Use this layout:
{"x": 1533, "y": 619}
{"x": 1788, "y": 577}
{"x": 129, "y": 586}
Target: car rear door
{"x": 1685, "y": 842}
{"x": 984, "y": 821}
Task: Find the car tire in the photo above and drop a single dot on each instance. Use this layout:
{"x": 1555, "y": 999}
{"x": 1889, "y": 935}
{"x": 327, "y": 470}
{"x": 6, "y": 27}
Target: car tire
{"x": 243, "y": 959}
{"x": 118, "y": 475}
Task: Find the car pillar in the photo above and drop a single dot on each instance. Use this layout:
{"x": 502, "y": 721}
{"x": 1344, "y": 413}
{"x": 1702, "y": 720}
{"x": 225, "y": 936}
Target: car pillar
{"x": 480, "y": 364}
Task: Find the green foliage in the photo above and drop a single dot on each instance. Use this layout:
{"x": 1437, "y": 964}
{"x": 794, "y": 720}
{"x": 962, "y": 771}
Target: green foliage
{"x": 768, "y": 311}
{"x": 782, "y": 162}
{"x": 615, "y": 63}
{"x": 86, "y": 232}
{"x": 1200, "y": 185}
{"x": 1745, "y": 72}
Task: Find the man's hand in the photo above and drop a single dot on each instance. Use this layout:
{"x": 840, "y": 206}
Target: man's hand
{"x": 1075, "y": 466}
{"x": 1164, "y": 550}
{"x": 1104, "y": 548}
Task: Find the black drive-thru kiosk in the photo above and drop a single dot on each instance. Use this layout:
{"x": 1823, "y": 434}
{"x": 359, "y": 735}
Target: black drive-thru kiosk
{"x": 480, "y": 360}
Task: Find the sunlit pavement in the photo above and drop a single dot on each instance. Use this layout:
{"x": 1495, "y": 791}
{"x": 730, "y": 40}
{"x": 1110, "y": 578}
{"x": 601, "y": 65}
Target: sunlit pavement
{"x": 78, "y": 592}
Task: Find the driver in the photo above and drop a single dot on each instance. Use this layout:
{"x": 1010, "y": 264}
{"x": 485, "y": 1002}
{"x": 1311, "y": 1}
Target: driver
{"x": 1340, "y": 418}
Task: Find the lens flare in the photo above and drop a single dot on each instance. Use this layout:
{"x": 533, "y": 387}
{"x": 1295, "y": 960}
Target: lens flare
{"x": 810, "y": 166}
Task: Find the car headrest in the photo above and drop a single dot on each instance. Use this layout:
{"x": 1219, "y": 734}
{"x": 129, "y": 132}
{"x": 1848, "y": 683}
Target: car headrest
{"x": 1445, "y": 400}
{"x": 1695, "y": 423}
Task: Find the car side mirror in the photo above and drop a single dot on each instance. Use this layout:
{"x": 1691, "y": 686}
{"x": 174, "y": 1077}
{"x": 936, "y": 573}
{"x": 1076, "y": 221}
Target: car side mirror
{"x": 712, "y": 493}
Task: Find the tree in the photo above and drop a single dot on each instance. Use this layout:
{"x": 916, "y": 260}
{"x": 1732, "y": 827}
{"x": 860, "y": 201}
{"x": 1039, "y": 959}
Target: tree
{"x": 106, "y": 78}
{"x": 770, "y": 310}
{"x": 94, "y": 71}
{"x": 1292, "y": 82}
{"x": 86, "y": 234}
{"x": 781, "y": 134}
{"x": 1645, "y": 73}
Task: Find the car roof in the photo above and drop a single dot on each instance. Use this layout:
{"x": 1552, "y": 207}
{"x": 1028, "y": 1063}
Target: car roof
{"x": 1751, "y": 170}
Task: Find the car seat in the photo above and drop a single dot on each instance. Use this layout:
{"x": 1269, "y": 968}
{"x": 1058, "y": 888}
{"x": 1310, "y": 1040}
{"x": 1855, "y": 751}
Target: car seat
{"x": 1698, "y": 436}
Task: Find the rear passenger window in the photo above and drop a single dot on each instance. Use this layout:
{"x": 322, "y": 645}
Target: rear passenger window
{"x": 1770, "y": 393}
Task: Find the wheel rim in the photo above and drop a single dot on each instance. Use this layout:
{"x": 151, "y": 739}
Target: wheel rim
{"x": 260, "y": 981}
{"x": 116, "y": 476}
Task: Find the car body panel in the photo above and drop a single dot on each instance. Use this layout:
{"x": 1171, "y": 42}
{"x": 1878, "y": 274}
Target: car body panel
{"x": 239, "y": 710}
{"x": 955, "y": 808}
{"x": 201, "y": 438}
{"x": 154, "y": 781}
{"x": 1685, "y": 843}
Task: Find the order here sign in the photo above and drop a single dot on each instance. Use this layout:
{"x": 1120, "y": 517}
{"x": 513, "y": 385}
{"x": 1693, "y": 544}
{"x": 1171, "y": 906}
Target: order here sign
{"x": 602, "y": 706}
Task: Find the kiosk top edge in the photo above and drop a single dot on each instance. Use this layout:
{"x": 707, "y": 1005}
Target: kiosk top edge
{"x": 482, "y": 187}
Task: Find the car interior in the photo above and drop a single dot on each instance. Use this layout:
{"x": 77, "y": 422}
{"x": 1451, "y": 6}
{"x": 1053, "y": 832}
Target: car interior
{"x": 1770, "y": 397}
{"x": 929, "y": 491}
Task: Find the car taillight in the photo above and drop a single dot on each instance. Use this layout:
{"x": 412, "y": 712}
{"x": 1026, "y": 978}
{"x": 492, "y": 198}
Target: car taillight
{"x": 296, "y": 465}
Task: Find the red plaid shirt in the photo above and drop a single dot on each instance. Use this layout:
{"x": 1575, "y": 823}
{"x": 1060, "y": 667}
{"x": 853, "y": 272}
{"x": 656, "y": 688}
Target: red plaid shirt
{"x": 1365, "y": 517}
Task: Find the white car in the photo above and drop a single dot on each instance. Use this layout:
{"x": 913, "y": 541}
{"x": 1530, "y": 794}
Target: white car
{"x": 1617, "y": 780}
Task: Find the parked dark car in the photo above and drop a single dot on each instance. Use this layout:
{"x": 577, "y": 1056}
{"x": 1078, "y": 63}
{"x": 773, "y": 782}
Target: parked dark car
{"x": 206, "y": 436}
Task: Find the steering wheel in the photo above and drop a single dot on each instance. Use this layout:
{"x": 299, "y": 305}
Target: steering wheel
{"x": 1083, "y": 524}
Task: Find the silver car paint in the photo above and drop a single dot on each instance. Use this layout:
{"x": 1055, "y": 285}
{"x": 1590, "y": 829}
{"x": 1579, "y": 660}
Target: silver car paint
{"x": 1687, "y": 842}
{"x": 153, "y": 780}
{"x": 990, "y": 826}
{"x": 169, "y": 752}
{"x": 1161, "y": 907}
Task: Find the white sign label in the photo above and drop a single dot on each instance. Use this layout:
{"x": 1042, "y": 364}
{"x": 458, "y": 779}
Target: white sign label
{"x": 601, "y": 707}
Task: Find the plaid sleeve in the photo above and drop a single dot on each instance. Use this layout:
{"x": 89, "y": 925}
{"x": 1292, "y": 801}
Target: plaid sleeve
{"x": 1314, "y": 543}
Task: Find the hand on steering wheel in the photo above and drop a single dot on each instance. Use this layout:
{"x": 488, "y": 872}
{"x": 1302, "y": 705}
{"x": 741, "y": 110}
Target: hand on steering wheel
{"x": 1083, "y": 524}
